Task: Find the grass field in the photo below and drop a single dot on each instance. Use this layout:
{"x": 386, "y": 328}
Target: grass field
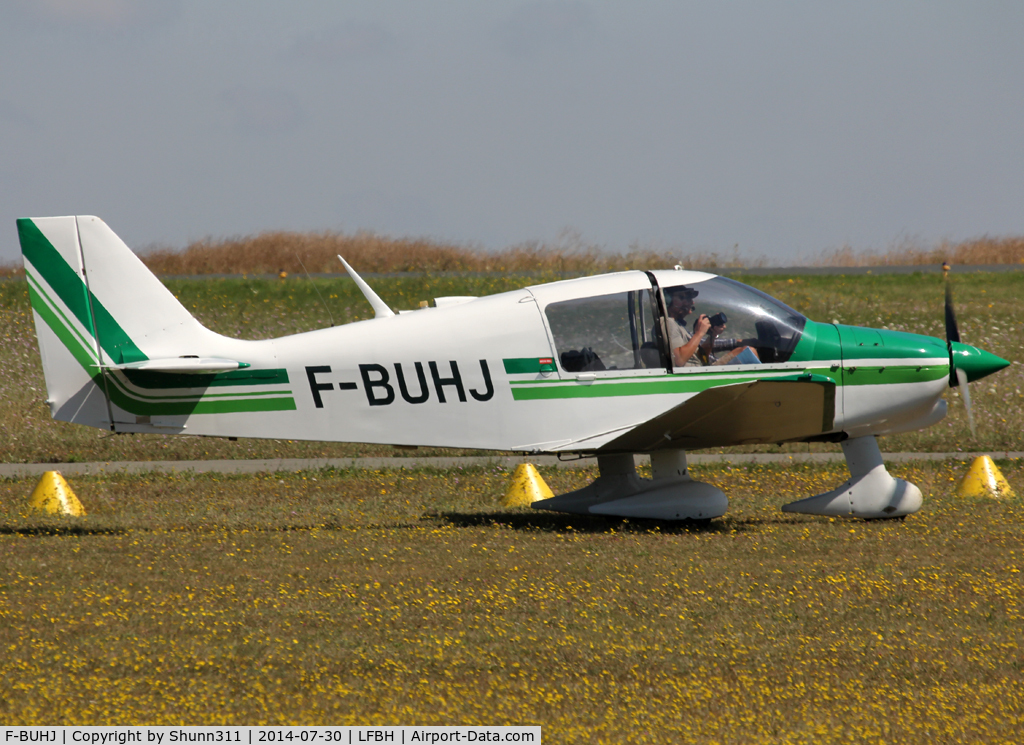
{"x": 989, "y": 309}
{"x": 412, "y": 598}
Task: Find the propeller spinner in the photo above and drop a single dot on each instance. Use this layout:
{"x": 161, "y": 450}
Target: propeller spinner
{"x": 966, "y": 363}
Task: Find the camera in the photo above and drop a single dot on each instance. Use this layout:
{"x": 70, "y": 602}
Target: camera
{"x": 719, "y": 319}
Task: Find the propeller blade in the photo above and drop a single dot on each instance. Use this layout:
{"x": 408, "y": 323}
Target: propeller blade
{"x": 965, "y": 391}
{"x": 952, "y": 332}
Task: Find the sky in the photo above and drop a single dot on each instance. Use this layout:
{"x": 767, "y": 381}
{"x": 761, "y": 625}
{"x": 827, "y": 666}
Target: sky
{"x": 778, "y": 130}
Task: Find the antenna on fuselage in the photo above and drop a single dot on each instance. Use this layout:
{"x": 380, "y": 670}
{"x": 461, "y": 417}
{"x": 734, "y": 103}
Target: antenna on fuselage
{"x": 380, "y": 308}
{"x": 317, "y": 291}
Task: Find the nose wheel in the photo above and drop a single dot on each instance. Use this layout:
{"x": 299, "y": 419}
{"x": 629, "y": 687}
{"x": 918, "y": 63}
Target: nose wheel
{"x": 870, "y": 493}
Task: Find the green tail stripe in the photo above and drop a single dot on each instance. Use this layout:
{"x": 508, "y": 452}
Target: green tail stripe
{"x": 78, "y": 351}
{"x": 70, "y": 288}
{"x": 131, "y": 402}
{"x": 43, "y": 304}
{"x": 82, "y": 351}
{"x": 195, "y": 404}
{"x": 51, "y": 266}
{"x": 148, "y": 408}
{"x": 249, "y": 376}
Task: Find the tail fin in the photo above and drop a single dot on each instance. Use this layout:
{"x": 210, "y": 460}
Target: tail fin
{"x": 81, "y": 263}
{"x": 99, "y": 310}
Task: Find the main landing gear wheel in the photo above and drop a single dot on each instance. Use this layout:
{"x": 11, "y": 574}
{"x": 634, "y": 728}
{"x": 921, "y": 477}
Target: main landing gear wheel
{"x": 670, "y": 495}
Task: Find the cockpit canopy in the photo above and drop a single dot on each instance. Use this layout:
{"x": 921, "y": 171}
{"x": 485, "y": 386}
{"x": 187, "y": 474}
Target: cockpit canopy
{"x": 630, "y": 329}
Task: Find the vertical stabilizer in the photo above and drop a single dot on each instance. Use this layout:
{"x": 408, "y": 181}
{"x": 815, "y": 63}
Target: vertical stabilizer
{"x": 98, "y": 307}
{"x": 64, "y": 320}
{"x": 133, "y": 309}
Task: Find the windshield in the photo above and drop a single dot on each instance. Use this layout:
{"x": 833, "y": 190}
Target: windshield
{"x": 746, "y": 325}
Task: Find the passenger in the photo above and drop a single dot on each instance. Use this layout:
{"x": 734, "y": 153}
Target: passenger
{"x": 681, "y": 342}
{"x": 737, "y": 351}
{"x": 739, "y": 356}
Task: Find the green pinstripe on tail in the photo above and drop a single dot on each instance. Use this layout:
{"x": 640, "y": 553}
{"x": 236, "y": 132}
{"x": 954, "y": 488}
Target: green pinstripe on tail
{"x": 72, "y": 291}
{"x": 63, "y": 281}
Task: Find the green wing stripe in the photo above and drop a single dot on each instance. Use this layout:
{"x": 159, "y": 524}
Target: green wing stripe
{"x": 70, "y": 288}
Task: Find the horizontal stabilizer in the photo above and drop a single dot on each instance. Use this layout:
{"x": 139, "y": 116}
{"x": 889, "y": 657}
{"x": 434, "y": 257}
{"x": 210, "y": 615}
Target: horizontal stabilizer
{"x": 182, "y": 365}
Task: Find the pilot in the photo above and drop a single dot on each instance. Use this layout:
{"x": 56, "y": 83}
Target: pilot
{"x": 681, "y": 342}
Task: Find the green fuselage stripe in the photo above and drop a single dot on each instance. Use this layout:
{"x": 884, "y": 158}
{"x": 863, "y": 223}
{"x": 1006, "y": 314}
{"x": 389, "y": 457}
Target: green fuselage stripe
{"x": 522, "y": 365}
{"x": 697, "y": 382}
{"x": 891, "y": 374}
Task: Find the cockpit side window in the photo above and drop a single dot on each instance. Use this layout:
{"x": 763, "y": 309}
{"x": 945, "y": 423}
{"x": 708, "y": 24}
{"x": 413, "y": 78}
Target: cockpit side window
{"x": 747, "y": 326}
{"x": 607, "y": 332}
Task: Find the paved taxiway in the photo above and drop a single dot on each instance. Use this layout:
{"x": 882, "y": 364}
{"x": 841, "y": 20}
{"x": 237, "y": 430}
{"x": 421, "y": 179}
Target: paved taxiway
{"x": 270, "y": 465}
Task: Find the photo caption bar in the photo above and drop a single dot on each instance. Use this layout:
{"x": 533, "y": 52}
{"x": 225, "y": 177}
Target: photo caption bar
{"x": 261, "y": 735}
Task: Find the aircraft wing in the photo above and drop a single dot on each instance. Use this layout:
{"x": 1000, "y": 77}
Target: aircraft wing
{"x": 760, "y": 411}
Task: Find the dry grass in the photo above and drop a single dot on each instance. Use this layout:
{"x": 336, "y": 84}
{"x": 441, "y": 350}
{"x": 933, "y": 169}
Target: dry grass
{"x": 273, "y": 252}
{"x": 984, "y": 250}
{"x": 296, "y": 253}
{"x": 369, "y": 252}
{"x": 390, "y": 597}
{"x": 276, "y": 251}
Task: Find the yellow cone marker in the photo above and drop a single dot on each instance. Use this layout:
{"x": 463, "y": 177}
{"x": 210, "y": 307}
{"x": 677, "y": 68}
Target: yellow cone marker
{"x": 526, "y": 488}
{"x": 53, "y": 496}
{"x": 983, "y": 479}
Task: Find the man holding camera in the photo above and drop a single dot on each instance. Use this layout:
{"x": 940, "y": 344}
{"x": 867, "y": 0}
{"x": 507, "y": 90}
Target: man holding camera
{"x": 684, "y": 346}
{"x": 688, "y": 350}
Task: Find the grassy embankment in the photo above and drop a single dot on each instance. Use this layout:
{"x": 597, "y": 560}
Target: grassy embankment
{"x": 989, "y": 309}
{"x": 381, "y": 598}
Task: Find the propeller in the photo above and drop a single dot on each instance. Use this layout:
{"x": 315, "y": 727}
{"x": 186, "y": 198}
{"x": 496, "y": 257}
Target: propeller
{"x": 957, "y": 374}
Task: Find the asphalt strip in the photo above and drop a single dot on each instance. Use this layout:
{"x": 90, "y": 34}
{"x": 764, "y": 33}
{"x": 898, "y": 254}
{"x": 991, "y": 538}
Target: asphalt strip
{"x": 272, "y": 465}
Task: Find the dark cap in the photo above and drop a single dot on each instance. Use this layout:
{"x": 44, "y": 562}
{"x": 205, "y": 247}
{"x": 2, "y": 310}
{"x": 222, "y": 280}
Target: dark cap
{"x": 687, "y": 293}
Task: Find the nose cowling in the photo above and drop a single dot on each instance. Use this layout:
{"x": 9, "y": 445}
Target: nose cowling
{"x": 977, "y": 363}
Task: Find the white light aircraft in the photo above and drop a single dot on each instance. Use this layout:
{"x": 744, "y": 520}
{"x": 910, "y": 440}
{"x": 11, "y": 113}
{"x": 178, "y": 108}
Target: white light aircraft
{"x": 604, "y": 366}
